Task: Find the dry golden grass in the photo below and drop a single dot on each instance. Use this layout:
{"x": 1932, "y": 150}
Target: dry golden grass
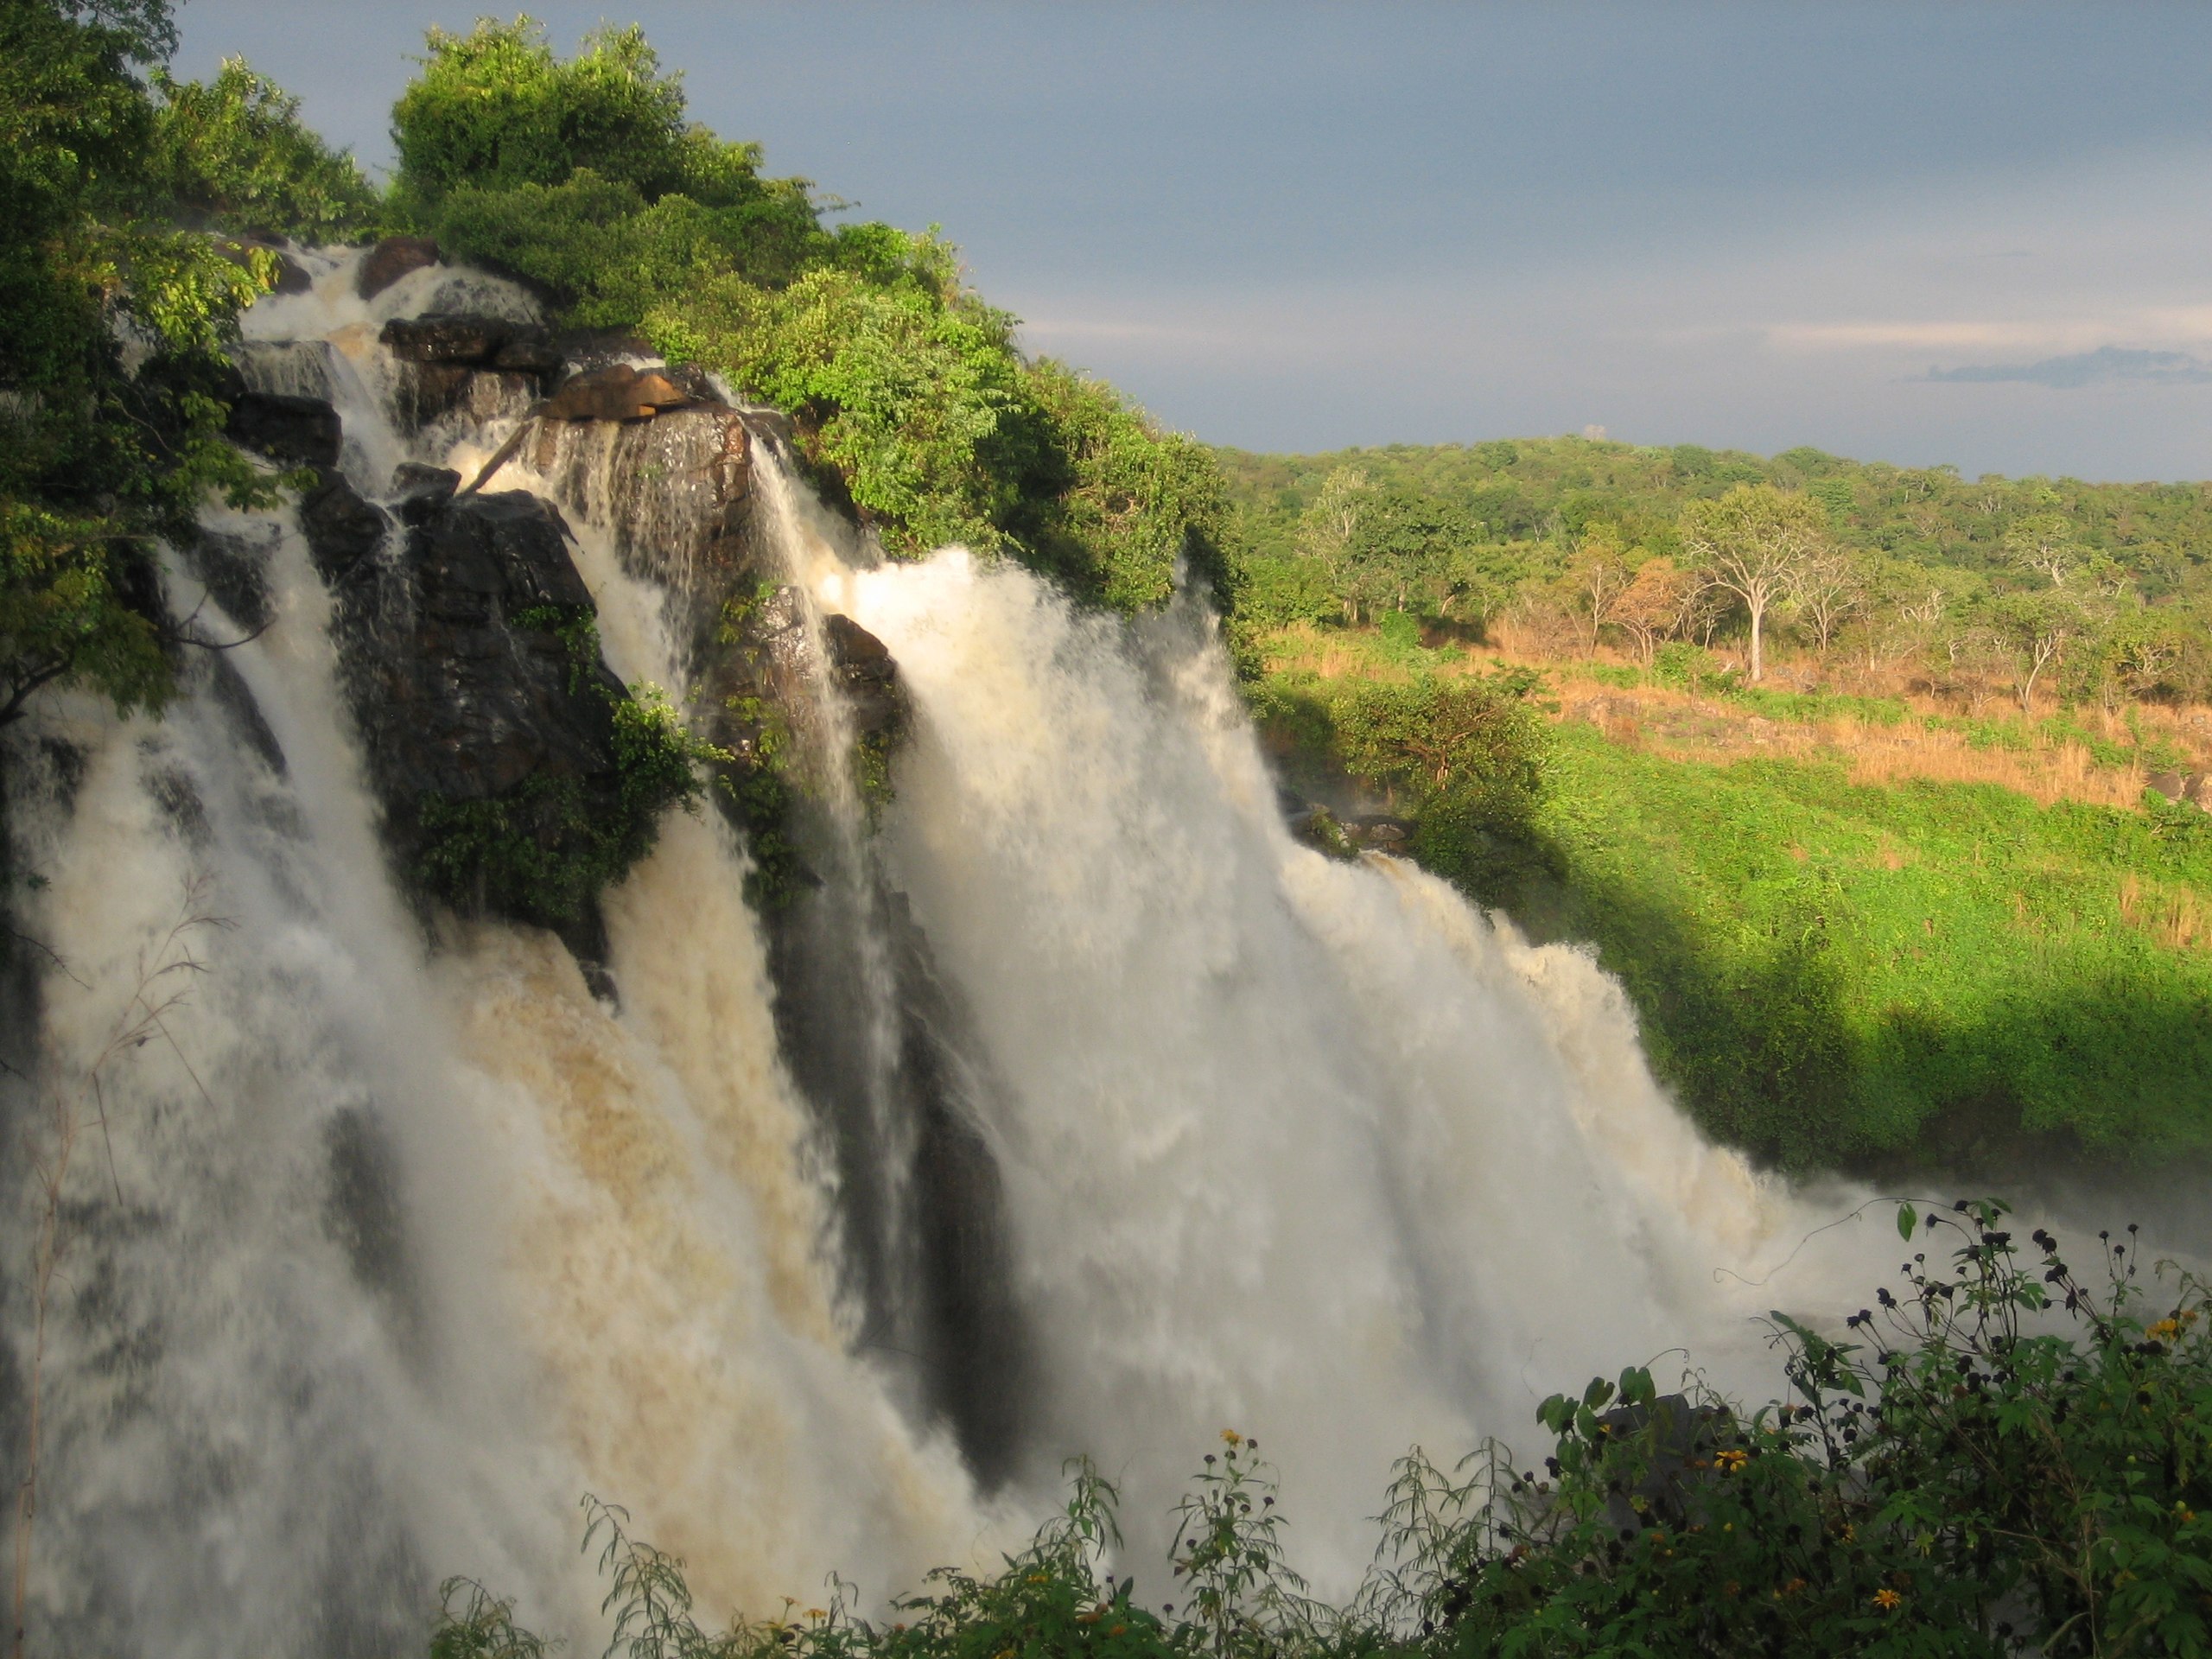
{"x": 1680, "y": 724}
{"x": 2176, "y": 918}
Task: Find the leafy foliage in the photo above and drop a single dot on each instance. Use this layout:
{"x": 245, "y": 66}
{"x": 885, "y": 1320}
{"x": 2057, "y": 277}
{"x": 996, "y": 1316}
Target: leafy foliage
{"x": 1910, "y": 561}
{"x": 101, "y": 450}
{"x": 1466, "y": 758}
{"x": 545, "y": 849}
{"x": 232, "y": 153}
{"x": 913, "y": 402}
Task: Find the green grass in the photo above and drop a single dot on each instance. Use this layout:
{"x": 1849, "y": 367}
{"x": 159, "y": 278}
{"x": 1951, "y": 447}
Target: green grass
{"x": 1832, "y": 971}
{"x": 1839, "y": 974}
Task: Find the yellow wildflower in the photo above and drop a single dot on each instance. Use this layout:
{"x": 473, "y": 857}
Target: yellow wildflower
{"x": 1888, "y": 1600}
{"x": 1231, "y": 1437}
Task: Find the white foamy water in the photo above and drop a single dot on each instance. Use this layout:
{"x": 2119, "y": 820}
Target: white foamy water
{"x": 410, "y": 1241}
{"x": 1312, "y": 1150}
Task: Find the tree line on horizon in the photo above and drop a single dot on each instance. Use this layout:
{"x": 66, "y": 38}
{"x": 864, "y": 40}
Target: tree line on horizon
{"x": 1996, "y": 586}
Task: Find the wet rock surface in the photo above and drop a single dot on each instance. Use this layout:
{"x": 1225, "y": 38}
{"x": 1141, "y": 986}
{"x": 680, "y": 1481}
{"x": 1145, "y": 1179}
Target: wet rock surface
{"x": 418, "y": 492}
{"x": 392, "y": 259}
{"x": 465, "y": 688}
{"x": 342, "y": 530}
{"x": 297, "y": 431}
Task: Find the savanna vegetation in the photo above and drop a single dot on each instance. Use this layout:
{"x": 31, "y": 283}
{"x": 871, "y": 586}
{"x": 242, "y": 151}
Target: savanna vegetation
{"x": 1847, "y": 777}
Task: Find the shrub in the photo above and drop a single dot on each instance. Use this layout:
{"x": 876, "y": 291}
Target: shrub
{"x": 98, "y": 458}
{"x": 232, "y": 153}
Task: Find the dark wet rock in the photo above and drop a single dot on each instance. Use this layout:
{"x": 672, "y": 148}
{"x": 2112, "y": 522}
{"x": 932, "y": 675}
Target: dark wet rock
{"x": 419, "y": 491}
{"x": 529, "y": 353}
{"x": 447, "y": 339}
{"x": 1378, "y": 831}
{"x": 297, "y": 432}
{"x": 430, "y": 392}
{"x": 586, "y": 349}
{"x": 770, "y": 424}
{"x": 464, "y": 684}
{"x": 234, "y": 569}
{"x": 293, "y": 368}
{"x": 342, "y": 530}
{"x": 677, "y": 490}
{"x": 236, "y": 699}
{"x": 863, "y": 666}
{"x": 392, "y": 259}
{"x": 693, "y": 381}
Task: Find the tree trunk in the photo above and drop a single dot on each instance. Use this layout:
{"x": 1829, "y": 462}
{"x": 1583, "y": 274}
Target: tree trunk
{"x": 1758, "y": 615}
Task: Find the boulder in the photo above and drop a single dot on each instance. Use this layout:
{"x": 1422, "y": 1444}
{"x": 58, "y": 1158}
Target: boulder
{"x": 299, "y": 431}
{"x": 529, "y": 353}
{"x": 343, "y": 531}
{"x": 618, "y": 392}
{"x": 1378, "y": 831}
{"x": 862, "y": 665}
{"x": 428, "y": 392}
{"x": 392, "y": 259}
{"x": 233, "y": 566}
{"x": 419, "y": 492}
{"x": 583, "y": 350}
{"x": 449, "y": 339}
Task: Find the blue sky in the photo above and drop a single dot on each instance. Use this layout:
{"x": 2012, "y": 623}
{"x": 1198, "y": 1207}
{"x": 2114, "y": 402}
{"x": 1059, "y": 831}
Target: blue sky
{"x": 1979, "y": 234}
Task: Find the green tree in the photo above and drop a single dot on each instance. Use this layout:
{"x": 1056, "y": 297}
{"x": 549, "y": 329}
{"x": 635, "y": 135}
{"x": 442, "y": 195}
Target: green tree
{"x": 234, "y": 154}
{"x": 1755, "y": 542}
{"x": 101, "y": 455}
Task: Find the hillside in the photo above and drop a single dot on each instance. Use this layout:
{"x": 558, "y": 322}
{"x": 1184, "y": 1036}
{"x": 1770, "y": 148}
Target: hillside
{"x": 1934, "y": 889}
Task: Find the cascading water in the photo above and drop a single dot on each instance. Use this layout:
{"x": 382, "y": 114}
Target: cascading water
{"x": 404, "y": 1248}
{"x": 406, "y": 1251}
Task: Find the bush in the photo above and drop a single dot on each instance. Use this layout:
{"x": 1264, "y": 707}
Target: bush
{"x": 583, "y": 177}
{"x": 98, "y": 459}
{"x": 914, "y": 400}
{"x": 233, "y": 154}
{"x": 496, "y": 110}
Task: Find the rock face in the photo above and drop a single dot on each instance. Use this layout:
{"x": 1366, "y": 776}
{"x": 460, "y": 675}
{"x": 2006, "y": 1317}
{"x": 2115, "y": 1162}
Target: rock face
{"x": 392, "y": 259}
{"x": 471, "y": 690}
{"x": 618, "y": 392}
{"x": 2195, "y": 787}
{"x": 299, "y": 431}
{"x": 486, "y": 711}
{"x": 343, "y": 531}
{"x": 477, "y": 369}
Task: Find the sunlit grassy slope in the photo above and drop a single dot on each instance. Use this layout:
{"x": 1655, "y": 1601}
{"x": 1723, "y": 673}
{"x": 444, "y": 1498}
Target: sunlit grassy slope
{"x": 1839, "y": 972}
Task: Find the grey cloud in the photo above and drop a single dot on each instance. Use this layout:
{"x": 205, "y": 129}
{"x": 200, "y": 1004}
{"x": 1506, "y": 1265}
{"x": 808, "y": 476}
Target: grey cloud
{"x": 2106, "y": 363}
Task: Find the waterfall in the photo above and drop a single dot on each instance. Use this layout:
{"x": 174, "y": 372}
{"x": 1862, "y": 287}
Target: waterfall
{"x": 1076, "y": 1107}
{"x": 404, "y": 1248}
